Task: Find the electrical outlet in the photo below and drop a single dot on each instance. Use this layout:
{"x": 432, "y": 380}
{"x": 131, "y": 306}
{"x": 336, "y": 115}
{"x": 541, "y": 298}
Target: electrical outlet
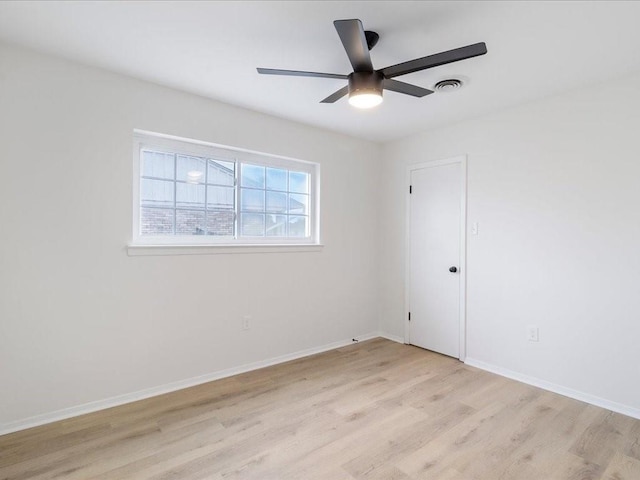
{"x": 532, "y": 333}
{"x": 246, "y": 322}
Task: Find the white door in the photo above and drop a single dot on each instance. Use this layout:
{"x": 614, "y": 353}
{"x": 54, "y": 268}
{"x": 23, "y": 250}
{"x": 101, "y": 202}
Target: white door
{"x": 435, "y": 233}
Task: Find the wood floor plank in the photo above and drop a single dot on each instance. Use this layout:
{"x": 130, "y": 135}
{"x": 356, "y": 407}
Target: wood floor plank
{"x": 622, "y": 467}
{"x": 632, "y": 448}
{"x": 572, "y": 467}
{"x": 553, "y": 436}
{"x": 375, "y": 410}
{"x": 460, "y": 447}
{"x": 603, "y": 438}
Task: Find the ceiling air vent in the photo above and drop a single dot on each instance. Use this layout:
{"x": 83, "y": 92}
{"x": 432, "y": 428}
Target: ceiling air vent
{"x": 448, "y": 85}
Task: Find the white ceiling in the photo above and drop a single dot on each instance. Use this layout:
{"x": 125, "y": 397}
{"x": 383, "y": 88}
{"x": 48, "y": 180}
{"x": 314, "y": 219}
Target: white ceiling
{"x": 535, "y": 49}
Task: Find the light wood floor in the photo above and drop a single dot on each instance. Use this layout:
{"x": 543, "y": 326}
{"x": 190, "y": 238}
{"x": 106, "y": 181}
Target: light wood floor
{"x": 376, "y": 410}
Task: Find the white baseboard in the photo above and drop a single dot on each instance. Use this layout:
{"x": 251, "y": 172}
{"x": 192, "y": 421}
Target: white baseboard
{"x": 170, "y": 387}
{"x": 393, "y": 338}
{"x": 555, "y": 388}
{"x": 369, "y": 336}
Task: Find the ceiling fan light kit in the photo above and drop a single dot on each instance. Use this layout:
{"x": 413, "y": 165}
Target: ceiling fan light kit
{"x": 365, "y": 89}
{"x": 365, "y": 85}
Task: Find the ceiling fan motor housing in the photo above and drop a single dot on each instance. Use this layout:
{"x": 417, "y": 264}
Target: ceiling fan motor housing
{"x": 365, "y": 82}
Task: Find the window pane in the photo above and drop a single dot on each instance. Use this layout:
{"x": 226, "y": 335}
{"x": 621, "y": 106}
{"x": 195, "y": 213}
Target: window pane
{"x": 189, "y": 195}
{"x": 191, "y": 169}
{"x": 297, "y": 226}
{"x": 220, "y": 223}
{"x": 252, "y": 200}
{"x": 298, "y": 203}
{"x": 220, "y": 197}
{"x": 276, "y": 179}
{"x": 252, "y": 176}
{"x": 276, "y": 202}
{"x": 252, "y": 225}
{"x": 187, "y": 189}
{"x": 156, "y": 221}
{"x": 221, "y": 173}
{"x": 276, "y": 226}
{"x": 157, "y": 164}
{"x": 158, "y": 193}
{"x": 190, "y": 222}
{"x": 298, "y": 182}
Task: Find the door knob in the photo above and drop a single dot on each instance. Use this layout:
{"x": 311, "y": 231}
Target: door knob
{"x": 453, "y": 269}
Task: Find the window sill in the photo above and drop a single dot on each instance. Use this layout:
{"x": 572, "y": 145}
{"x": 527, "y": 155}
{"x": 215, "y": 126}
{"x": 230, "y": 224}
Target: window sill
{"x": 150, "y": 250}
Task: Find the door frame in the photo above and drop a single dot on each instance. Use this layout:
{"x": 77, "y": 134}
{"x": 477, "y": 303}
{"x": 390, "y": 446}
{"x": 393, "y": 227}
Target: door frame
{"x": 462, "y": 160}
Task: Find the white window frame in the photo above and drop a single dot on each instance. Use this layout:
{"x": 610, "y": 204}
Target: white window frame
{"x": 150, "y": 140}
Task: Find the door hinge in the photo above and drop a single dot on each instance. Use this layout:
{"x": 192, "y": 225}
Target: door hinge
{"x": 409, "y": 316}
{"x": 410, "y": 189}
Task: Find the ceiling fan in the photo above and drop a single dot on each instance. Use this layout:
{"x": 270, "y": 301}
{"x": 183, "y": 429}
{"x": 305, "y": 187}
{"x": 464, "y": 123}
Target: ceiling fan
{"x": 366, "y": 84}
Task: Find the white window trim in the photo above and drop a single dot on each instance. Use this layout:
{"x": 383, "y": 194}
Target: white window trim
{"x": 194, "y": 244}
{"x": 157, "y": 250}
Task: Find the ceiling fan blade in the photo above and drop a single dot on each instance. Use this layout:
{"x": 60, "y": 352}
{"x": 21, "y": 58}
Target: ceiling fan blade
{"x": 406, "y": 88}
{"x": 436, "y": 60}
{"x": 298, "y": 73}
{"x": 334, "y": 97}
{"x": 355, "y": 43}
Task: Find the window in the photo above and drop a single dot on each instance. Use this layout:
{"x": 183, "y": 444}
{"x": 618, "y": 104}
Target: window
{"x": 193, "y": 193}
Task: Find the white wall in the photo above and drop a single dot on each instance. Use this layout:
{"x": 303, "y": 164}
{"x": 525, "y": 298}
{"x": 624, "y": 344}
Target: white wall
{"x": 554, "y": 186}
{"x": 80, "y": 321}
